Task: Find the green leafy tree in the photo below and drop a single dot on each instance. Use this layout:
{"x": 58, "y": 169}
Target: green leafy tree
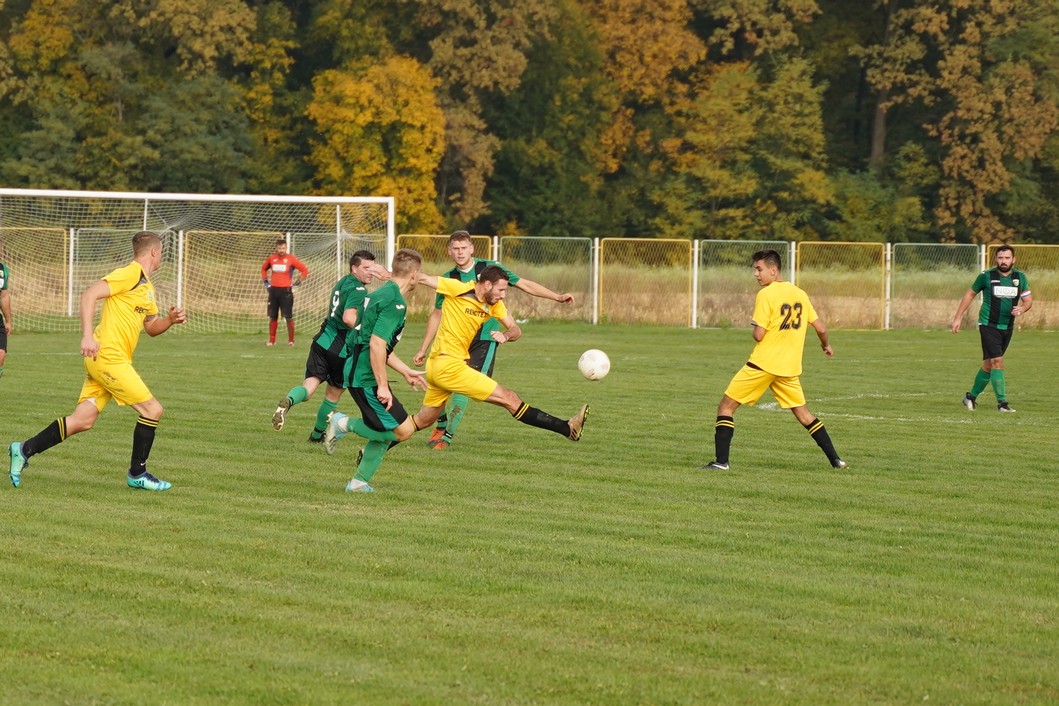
{"x": 103, "y": 70}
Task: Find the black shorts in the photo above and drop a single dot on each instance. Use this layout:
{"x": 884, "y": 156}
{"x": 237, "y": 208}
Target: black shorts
{"x": 3, "y": 335}
{"x": 994, "y": 341}
{"x": 483, "y": 355}
{"x": 376, "y": 416}
{"x": 325, "y": 365}
{"x": 280, "y": 301}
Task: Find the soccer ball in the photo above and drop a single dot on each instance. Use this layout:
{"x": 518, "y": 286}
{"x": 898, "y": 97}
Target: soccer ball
{"x": 594, "y": 364}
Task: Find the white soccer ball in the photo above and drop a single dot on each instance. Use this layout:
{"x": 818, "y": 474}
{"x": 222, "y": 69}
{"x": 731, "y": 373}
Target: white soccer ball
{"x": 594, "y": 364}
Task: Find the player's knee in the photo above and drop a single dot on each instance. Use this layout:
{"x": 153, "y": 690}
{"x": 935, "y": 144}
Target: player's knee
{"x": 509, "y": 399}
{"x": 83, "y": 419}
{"x": 152, "y": 409}
{"x": 405, "y": 430}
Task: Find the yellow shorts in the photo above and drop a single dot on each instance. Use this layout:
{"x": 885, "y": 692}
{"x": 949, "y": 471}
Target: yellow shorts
{"x": 105, "y": 380}
{"x": 447, "y": 375}
{"x": 749, "y": 384}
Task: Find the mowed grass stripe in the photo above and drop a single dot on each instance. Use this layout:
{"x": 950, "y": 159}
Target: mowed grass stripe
{"x": 519, "y": 567}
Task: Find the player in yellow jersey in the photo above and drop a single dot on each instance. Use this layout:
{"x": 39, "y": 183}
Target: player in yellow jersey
{"x": 782, "y": 314}
{"x": 129, "y": 307}
{"x": 466, "y": 308}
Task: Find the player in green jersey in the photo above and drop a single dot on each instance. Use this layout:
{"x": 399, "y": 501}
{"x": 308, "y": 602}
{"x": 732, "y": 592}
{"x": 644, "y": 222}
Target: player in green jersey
{"x": 326, "y": 361}
{"x": 483, "y": 350}
{"x": 1005, "y": 296}
{"x": 384, "y": 421}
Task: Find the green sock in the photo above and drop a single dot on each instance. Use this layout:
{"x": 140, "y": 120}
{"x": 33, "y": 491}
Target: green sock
{"x": 297, "y": 395}
{"x": 359, "y": 428}
{"x": 456, "y": 407}
{"x": 981, "y": 379}
{"x": 997, "y": 378}
{"x": 326, "y": 407}
{"x": 372, "y": 459}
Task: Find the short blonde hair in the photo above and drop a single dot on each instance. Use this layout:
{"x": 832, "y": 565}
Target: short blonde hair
{"x": 406, "y": 261}
{"x": 144, "y": 241}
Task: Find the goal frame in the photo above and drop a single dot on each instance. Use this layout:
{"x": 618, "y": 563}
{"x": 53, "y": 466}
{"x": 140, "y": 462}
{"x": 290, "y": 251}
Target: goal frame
{"x": 150, "y": 217}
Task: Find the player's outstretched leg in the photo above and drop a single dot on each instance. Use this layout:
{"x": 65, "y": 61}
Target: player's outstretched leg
{"x": 570, "y": 428}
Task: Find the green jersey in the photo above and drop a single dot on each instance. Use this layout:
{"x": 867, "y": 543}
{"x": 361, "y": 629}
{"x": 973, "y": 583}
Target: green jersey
{"x": 472, "y": 275}
{"x": 1000, "y": 294}
{"x": 348, "y": 293}
{"x": 383, "y": 315}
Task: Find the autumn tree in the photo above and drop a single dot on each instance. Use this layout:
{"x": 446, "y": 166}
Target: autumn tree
{"x": 380, "y": 131}
{"x": 965, "y": 62}
{"x": 477, "y": 54}
{"x": 748, "y": 151}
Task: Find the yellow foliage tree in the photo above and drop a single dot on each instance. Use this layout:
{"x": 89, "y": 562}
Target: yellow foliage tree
{"x": 380, "y": 132}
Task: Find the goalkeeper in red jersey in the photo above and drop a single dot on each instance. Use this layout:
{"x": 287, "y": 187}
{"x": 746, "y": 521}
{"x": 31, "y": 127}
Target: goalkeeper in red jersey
{"x": 277, "y": 274}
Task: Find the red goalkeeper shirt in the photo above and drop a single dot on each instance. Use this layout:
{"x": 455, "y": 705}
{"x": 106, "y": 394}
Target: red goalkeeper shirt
{"x": 282, "y": 267}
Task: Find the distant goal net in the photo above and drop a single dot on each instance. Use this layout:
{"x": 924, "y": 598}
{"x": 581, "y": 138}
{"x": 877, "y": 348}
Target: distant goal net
{"x": 56, "y": 243}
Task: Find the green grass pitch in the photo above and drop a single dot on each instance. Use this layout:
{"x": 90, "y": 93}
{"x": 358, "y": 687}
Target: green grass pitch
{"x": 520, "y": 568}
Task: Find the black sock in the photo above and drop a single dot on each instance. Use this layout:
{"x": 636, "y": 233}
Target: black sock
{"x": 723, "y": 431}
{"x": 822, "y": 439}
{"x": 541, "y": 419}
{"x": 50, "y": 436}
{"x": 142, "y": 439}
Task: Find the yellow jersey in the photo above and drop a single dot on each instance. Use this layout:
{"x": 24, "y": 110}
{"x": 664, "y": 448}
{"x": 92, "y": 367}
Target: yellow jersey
{"x": 131, "y": 300}
{"x": 785, "y": 313}
{"x": 462, "y": 317}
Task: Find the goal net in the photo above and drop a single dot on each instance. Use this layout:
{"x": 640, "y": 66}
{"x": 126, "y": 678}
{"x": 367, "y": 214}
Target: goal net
{"x": 56, "y": 243}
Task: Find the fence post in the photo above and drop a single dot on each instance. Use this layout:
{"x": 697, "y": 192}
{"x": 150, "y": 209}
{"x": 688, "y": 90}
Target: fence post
{"x": 888, "y": 290}
{"x": 981, "y": 257}
{"x": 180, "y": 269}
{"x": 694, "y": 284}
{"x": 496, "y": 248}
{"x": 595, "y": 280}
{"x": 70, "y": 273}
{"x": 792, "y": 253}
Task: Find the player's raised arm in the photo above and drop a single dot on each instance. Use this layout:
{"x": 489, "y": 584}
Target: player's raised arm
{"x": 428, "y": 280}
{"x": 539, "y": 290}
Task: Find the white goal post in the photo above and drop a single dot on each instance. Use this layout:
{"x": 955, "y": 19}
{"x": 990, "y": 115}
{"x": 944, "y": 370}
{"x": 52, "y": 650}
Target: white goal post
{"x": 56, "y": 243}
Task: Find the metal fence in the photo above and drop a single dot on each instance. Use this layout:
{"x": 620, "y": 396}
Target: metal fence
{"x": 708, "y": 283}
{"x": 653, "y": 282}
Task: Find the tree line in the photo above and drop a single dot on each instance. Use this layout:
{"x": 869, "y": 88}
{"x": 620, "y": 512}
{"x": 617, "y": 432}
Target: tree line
{"x": 881, "y": 120}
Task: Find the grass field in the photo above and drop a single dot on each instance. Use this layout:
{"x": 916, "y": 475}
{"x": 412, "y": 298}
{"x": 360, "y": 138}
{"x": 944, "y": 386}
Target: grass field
{"x": 520, "y": 568}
